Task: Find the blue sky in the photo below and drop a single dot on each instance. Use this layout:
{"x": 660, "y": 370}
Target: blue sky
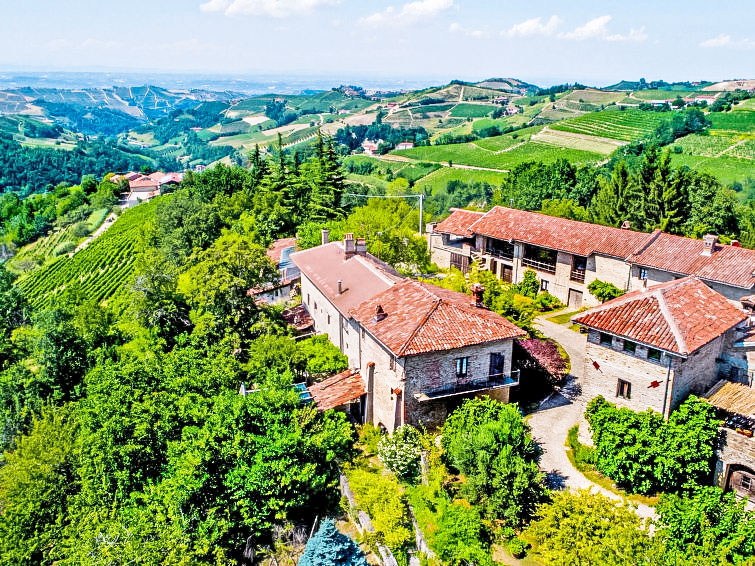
{"x": 543, "y": 42}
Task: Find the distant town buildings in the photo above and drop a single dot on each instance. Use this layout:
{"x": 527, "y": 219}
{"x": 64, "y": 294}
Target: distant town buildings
{"x": 145, "y": 187}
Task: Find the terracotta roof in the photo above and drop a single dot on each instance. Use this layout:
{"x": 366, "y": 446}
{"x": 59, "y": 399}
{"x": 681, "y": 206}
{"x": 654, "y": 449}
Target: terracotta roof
{"x": 459, "y": 221}
{"x": 680, "y": 316}
{"x": 362, "y": 276}
{"x": 143, "y": 183}
{"x": 419, "y": 317}
{"x": 338, "y": 390}
{"x": 733, "y": 397}
{"x": 580, "y": 238}
{"x": 726, "y": 264}
{"x": 298, "y": 317}
{"x": 274, "y": 252}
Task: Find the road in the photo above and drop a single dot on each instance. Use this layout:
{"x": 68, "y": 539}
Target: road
{"x": 561, "y": 411}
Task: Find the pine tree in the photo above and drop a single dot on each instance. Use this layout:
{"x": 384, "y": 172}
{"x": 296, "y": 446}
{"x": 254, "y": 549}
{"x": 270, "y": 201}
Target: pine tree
{"x": 675, "y": 203}
{"x": 616, "y": 200}
{"x": 648, "y": 185}
{"x": 327, "y": 183}
{"x": 331, "y": 548}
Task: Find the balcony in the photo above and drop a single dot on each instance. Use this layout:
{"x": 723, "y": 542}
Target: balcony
{"x": 577, "y": 275}
{"x": 499, "y": 253}
{"x": 495, "y": 381}
{"x": 539, "y": 265}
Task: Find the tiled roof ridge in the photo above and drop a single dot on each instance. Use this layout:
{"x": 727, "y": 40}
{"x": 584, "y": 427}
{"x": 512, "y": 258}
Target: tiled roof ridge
{"x": 654, "y": 235}
{"x": 437, "y": 301}
{"x": 377, "y": 266}
{"x": 670, "y": 320}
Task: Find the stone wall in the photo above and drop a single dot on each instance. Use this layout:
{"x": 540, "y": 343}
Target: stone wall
{"x": 327, "y": 319}
{"x": 699, "y": 372}
{"x": 388, "y": 375}
{"x": 437, "y": 369}
{"x": 615, "y": 364}
{"x": 732, "y": 450}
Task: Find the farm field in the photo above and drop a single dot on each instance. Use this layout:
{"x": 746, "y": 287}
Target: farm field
{"x": 571, "y": 140}
{"x": 727, "y": 169}
{"x": 101, "y": 269}
{"x": 465, "y": 110}
{"x": 471, "y": 154}
{"x": 626, "y": 125}
{"x": 663, "y": 94}
{"x": 592, "y": 96}
{"x": 438, "y": 180}
{"x": 736, "y": 120}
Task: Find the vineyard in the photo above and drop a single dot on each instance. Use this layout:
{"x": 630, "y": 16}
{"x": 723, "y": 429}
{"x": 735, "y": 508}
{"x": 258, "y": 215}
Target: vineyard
{"x": 626, "y": 125}
{"x": 99, "y": 270}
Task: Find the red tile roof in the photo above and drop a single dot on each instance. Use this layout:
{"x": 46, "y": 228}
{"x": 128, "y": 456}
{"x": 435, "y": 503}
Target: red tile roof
{"x": 680, "y": 316}
{"x": 726, "y": 264}
{"x": 298, "y": 317}
{"x": 143, "y": 183}
{"x": 338, "y": 390}
{"x": 362, "y": 276}
{"x": 580, "y": 238}
{"x": 420, "y": 318}
{"x": 459, "y": 221}
{"x": 275, "y": 251}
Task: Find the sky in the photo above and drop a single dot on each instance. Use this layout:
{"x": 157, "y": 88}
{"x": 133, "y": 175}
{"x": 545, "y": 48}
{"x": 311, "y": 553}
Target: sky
{"x": 544, "y": 42}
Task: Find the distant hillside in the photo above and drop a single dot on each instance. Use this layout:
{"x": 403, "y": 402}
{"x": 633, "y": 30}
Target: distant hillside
{"x": 118, "y": 109}
{"x": 507, "y": 85}
{"x": 732, "y": 85}
{"x": 642, "y": 84}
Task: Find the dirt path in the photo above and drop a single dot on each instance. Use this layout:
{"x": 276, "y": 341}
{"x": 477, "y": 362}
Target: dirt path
{"x": 109, "y": 221}
{"x": 561, "y": 411}
{"x": 728, "y": 149}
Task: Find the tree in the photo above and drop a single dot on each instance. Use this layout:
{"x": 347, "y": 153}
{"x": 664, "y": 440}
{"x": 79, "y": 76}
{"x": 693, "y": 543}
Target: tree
{"x": 589, "y": 529}
{"x": 530, "y": 286}
{"x": 218, "y": 287}
{"x": 400, "y": 452}
{"x": 490, "y": 443}
{"x": 14, "y": 312}
{"x": 615, "y": 203}
{"x": 604, "y": 291}
{"x": 329, "y": 546}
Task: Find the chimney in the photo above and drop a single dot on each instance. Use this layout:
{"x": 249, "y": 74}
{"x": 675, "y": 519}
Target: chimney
{"x": 430, "y": 227}
{"x": 477, "y": 292}
{"x": 380, "y": 314}
{"x": 361, "y": 246}
{"x": 348, "y": 245}
{"x": 626, "y": 225}
{"x": 735, "y": 244}
{"x": 709, "y": 244}
{"x": 340, "y": 286}
{"x": 325, "y": 234}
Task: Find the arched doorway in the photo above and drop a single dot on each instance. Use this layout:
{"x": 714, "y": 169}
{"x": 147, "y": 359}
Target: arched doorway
{"x": 741, "y": 481}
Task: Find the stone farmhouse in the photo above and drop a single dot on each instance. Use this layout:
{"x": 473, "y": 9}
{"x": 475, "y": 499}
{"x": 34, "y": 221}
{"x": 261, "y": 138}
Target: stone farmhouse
{"x": 146, "y": 187}
{"x": 283, "y": 289}
{"x": 568, "y": 255}
{"x": 654, "y": 347}
{"x": 415, "y": 350}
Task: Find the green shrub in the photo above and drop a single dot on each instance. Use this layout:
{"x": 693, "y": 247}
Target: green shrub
{"x": 517, "y": 547}
{"x": 63, "y": 248}
{"x": 323, "y": 359}
{"x": 530, "y": 286}
{"x": 604, "y": 291}
{"x": 331, "y": 547}
{"x": 400, "y": 452}
{"x": 380, "y": 496}
{"x": 369, "y": 437}
{"x": 644, "y": 454}
{"x": 81, "y": 229}
{"x": 546, "y": 302}
{"x": 583, "y": 455}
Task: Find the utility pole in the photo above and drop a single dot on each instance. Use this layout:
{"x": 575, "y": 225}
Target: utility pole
{"x": 420, "y": 196}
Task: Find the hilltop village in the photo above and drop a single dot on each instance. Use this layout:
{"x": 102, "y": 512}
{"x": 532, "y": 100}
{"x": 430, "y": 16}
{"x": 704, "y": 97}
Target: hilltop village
{"x": 477, "y": 324}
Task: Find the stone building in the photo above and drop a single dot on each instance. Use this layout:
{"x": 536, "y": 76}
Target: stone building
{"x": 418, "y": 348}
{"x": 568, "y": 255}
{"x": 282, "y": 290}
{"x": 735, "y": 447}
{"x": 654, "y": 347}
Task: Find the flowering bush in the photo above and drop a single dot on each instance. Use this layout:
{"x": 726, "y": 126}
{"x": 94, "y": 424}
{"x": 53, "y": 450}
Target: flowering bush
{"x": 400, "y": 453}
{"x": 537, "y": 354}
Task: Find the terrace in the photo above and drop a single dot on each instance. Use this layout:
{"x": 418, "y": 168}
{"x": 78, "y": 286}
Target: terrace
{"x": 463, "y": 387}
{"x": 499, "y": 248}
{"x": 541, "y": 259}
{"x": 578, "y": 268}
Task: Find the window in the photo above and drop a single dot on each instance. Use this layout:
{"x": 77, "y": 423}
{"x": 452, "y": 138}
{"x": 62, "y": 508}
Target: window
{"x": 315, "y": 305}
{"x": 606, "y": 339}
{"x": 630, "y": 346}
{"x": 307, "y": 298}
{"x": 624, "y": 389}
{"x": 328, "y": 319}
{"x": 461, "y": 367}
{"x": 392, "y": 363}
{"x": 654, "y": 354}
{"x": 746, "y": 482}
{"x": 543, "y": 284}
{"x": 643, "y": 273}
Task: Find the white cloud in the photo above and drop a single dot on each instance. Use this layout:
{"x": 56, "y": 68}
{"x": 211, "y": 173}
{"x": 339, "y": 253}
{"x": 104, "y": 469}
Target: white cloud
{"x": 410, "y": 13}
{"x": 597, "y": 28}
{"x": 270, "y": 8}
{"x": 725, "y": 40}
{"x": 533, "y": 26}
{"x": 469, "y": 32}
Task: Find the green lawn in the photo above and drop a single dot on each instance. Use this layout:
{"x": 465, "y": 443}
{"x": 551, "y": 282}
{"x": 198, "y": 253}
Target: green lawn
{"x": 472, "y": 110}
{"x": 727, "y": 169}
{"x": 562, "y": 318}
{"x": 439, "y": 179}
{"x": 736, "y": 120}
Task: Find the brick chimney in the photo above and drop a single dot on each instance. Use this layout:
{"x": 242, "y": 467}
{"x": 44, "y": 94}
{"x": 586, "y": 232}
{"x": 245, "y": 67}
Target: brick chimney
{"x": 361, "y": 246}
{"x": 324, "y": 235}
{"x": 380, "y": 314}
{"x": 735, "y": 244}
{"x": 709, "y": 244}
{"x": 349, "y": 247}
{"x": 477, "y": 292}
{"x": 626, "y": 225}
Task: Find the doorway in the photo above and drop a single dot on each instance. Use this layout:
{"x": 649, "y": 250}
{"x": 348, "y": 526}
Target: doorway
{"x": 575, "y": 299}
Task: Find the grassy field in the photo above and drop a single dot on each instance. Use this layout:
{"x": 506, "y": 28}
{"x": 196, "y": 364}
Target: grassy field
{"x": 472, "y": 110}
{"x": 726, "y": 169}
{"x": 472, "y": 154}
{"x": 736, "y": 120}
{"x": 440, "y": 178}
{"x": 662, "y": 94}
{"x": 624, "y": 125}
{"x": 592, "y": 96}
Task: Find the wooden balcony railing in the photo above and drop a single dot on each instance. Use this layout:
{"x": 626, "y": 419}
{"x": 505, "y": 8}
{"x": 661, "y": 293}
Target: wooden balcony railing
{"x": 539, "y": 265}
{"x": 501, "y": 254}
{"x": 577, "y": 275}
{"x": 495, "y": 381}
